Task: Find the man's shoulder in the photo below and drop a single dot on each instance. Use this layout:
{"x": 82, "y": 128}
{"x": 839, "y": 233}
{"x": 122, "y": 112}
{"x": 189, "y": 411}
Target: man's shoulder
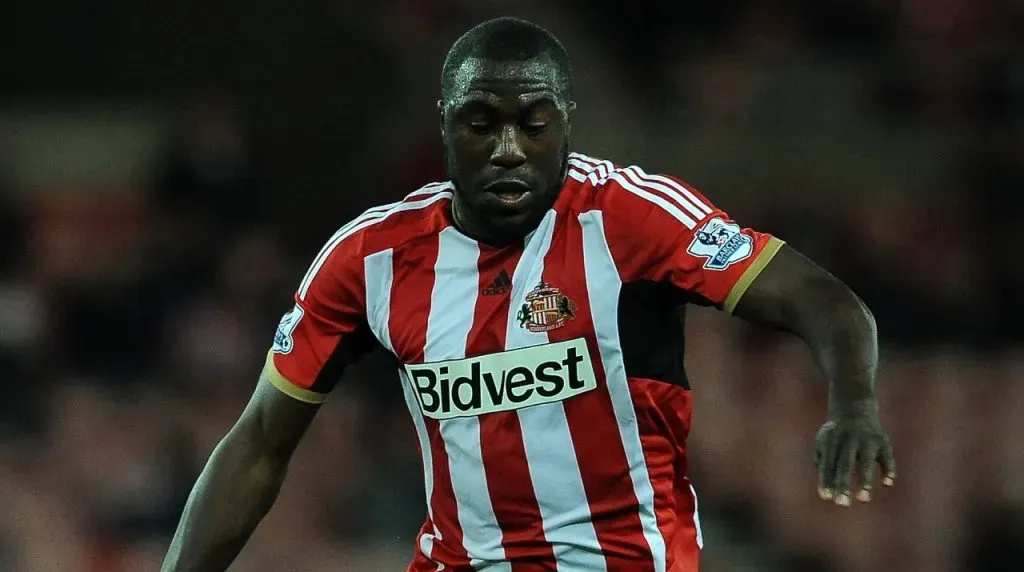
{"x": 609, "y": 186}
{"x": 422, "y": 212}
{"x": 589, "y": 170}
{"x": 630, "y": 194}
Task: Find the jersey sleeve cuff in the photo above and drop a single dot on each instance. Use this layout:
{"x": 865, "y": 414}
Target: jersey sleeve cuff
{"x": 288, "y": 388}
{"x": 751, "y": 273}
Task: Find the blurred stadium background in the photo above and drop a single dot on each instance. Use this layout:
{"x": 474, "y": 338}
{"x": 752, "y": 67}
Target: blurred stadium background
{"x": 167, "y": 171}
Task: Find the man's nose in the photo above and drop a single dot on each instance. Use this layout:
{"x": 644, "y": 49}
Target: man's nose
{"x": 508, "y": 152}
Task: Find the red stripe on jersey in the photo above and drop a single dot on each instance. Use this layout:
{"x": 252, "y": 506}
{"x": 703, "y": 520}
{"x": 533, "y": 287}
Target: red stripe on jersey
{"x": 592, "y": 421}
{"x": 663, "y": 419}
{"x": 501, "y": 439}
{"x": 410, "y": 309}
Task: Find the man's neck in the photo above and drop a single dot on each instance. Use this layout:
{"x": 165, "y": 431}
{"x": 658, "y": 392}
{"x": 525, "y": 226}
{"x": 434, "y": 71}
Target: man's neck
{"x": 470, "y": 226}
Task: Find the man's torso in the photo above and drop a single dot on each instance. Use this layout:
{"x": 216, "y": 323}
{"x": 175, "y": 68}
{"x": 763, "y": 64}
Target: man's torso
{"x": 541, "y": 440}
{"x": 545, "y": 380}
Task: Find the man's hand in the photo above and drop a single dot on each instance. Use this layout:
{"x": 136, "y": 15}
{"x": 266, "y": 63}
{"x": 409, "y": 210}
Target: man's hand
{"x": 848, "y": 447}
{"x": 795, "y": 295}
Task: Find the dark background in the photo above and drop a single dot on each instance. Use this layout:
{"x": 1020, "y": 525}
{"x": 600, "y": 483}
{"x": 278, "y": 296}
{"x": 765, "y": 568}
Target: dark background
{"x": 168, "y": 170}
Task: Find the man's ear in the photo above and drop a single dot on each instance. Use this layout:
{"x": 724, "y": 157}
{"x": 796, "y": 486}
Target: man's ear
{"x": 440, "y": 115}
{"x": 569, "y": 111}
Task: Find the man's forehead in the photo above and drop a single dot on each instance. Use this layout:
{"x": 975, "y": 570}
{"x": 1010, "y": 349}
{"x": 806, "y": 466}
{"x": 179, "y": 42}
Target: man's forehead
{"x": 481, "y": 77}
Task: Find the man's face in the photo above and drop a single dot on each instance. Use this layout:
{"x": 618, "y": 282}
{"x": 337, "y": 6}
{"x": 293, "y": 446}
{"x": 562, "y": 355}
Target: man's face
{"x": 506, "y": 141}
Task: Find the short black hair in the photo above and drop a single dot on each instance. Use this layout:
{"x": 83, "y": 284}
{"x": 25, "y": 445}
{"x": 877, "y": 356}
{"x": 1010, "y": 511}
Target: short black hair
{"x": 507, "y": 39}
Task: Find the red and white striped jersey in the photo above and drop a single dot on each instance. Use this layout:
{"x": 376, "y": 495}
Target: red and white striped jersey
{"x": 545, "y": 380}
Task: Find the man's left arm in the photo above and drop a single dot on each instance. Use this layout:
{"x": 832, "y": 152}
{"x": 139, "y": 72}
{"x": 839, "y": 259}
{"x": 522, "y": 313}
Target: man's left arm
{"x": 687, "y": 242}
{"x": 793, "y": 294}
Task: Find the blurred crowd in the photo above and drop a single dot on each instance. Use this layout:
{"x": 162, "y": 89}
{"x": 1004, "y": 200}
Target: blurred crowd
{"x": 133, "y": 324}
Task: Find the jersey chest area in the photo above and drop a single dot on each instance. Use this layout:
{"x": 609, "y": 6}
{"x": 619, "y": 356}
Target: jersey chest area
{"x": 473, "y": 300}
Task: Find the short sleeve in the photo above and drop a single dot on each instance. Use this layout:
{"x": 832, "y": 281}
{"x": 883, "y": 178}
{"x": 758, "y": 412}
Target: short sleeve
{"x": 326, "y": 328}
{"x": 661, "y": 229}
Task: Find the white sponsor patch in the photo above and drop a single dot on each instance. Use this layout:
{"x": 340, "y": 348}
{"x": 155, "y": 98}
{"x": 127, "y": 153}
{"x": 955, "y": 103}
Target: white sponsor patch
{"x": 721, "y": 243}
{"x": 283, "y": 342}
{"x": 503, "y": 381}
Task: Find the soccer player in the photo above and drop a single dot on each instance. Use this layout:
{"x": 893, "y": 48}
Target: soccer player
{"x": 533, "y": 302}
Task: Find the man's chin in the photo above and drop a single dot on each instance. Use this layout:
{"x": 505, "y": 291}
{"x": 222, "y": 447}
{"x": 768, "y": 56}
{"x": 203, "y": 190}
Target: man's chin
{"x": 514, "y": 225}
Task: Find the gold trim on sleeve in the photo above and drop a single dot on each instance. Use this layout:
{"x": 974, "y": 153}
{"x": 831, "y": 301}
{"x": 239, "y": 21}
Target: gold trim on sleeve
{"x": 751, "y": 273}
{"x": 288, "y": 388}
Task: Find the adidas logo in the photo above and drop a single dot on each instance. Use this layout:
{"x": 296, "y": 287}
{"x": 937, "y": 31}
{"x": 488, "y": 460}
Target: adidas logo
{"x": 501, "y": 284}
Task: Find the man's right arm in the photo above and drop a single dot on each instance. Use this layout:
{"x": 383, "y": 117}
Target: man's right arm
{"x": 240, "y": 481}
{"x": 324, "y": 332}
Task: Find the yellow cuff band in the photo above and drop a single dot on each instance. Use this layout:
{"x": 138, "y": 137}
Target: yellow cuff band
{"x": 752, "y": 272}
{"x": 288, "y": 388}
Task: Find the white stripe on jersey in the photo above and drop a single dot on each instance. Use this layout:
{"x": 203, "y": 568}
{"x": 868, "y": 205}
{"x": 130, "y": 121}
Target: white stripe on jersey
{"x": 602, "y": 165}
{"x": 594, "y": 174}
{"x": 682, "y": 196}
{"x": 603, "y": 285}
{"x": 332, "y": 242}
{"x": 635, "y": 175}
{"x": 452, "y": 307}
{"x": 551, "y": 456}
{"x": 369, "y": 218}
{"x": 594, "y": 167}
{"x": 379, "y": 273}
{"x": 577, "y": 175}
{"x": 656, "y": 199}
{"x": 696, "y": 518}
{"x": 427, "y": 540}
{"x": 379, "y": 277}
{"x": 678, "y": 187}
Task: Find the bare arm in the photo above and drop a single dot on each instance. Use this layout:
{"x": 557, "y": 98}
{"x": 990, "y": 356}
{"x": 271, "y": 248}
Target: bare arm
{"x": 795, "y": 295}
{"x": 240, "y": 481}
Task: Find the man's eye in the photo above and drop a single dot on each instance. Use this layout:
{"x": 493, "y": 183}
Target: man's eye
{"x": 480, "y": 127}
{"x": 535, "y": 128}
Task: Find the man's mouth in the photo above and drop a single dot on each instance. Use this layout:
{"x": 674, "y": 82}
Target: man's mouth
{"x": 509, "y": 192}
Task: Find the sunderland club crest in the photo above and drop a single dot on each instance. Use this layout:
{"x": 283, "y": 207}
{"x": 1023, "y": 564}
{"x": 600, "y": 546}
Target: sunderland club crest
{"x": 545, "y": 309}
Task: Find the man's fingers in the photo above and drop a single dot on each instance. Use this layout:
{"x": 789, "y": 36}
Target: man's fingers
{"x": 888, "y": 461}
{"x": 846, "y": 466}
{"x": 867, "y": 459}
{"x": 825, "y": 445}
